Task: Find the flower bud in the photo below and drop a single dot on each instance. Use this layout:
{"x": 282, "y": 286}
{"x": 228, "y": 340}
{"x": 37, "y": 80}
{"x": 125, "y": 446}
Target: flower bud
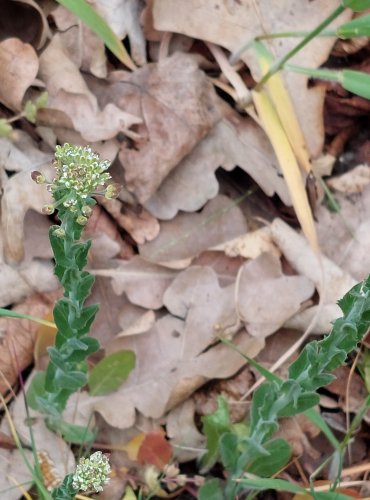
{"x": 38, "y": 177}
{"x": 81, "y": 220}
{"x": 86, "y": 211}
{"x": 112, "y": 191}
{"x": 60, "y": 233}
{"x": 48, "y": 209}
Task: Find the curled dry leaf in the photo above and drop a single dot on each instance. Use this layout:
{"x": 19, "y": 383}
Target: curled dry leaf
{"x": 354, "y": 181}
{"x": 188, "y": 235}
{"x": 232, "y": 24}
{"x": 178, "y": 106}
{"x": 19, "y": 65}
{"x": 143, "y": 282}
{"x": 267, "y": 298}
{"x": 77, "y": 107}
{"x": 234, "y": 141}
{"x": 18, "y": 338}
{"x": 24, "y": 19}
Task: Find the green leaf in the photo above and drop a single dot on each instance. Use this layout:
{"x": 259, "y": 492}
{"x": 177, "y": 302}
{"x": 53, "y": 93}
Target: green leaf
{"x": 272, "y": 484}
{"x": 356, "y": 5}
{"x": 98, "y": 25}
{"x": 211, "y": 490}
{"x": 356, "y": 82}
{"x": 111, "y": 372}
{"x": 30, "y": 111}
{"x": 280, "y": 454}
{"x": 61, "y": 313}
{"x": 229, "y": 453}
{"x": 71, "y": 381}
{"x": 83, "y": 323}
{"x": 36, "y": 390}
{"x": 42, "y": 100}
{"x": 5, "y": 128}
{"x": 357, "y": 27}
{"x": 214, "y": 426}
{"x": 76, "y": 434}
{"x": 65, "y": 491}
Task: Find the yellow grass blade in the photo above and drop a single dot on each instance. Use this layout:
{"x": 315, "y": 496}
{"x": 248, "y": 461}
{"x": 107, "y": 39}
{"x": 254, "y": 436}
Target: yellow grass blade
{"x": 284, "y": 108}
{"x": 288, "y": 164}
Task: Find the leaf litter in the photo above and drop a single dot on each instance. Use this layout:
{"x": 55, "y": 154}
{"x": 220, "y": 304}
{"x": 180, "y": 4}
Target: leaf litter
{"x": 186, "y": 255}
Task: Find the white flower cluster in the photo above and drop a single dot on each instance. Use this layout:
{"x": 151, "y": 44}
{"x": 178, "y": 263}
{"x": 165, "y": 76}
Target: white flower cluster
{"x": 92, "y": 473}
{"x": 80, "y": 170}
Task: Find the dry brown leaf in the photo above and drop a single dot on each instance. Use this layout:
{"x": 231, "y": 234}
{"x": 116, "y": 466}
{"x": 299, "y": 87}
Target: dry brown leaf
{"x": 345, "y": 236}
{"x": 251, "y": 245}
{"x": 20, "y": 154}
{"x": 169, "y": 370}
{"x": 141, "y": 325}
{"x": 231, "y": 24}
{"x": 143, "y": 282}
{"x": 178, "y": 106}
{"x": 24, "y": 19}
{"x": 234, "y": 141}
{"x": 18, "y": 338}
{"x": 19, "y": 65}
{"x": 139, "y": 224}
{"x": 123, "y": 17}
{"x": 298, "y": 431}
{"x": 188, "y": 235}
{"x": 71, "y": 104}
{"x": 20, "y": 194}
{"x": 187, "y": 441}
{"x": 84, "y": 47}
{"x": 267, "y": 298}
{"x": 354, "y": 181}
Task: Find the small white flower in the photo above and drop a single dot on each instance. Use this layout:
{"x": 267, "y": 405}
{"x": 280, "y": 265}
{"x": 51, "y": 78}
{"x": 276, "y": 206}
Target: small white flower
{"x": 92, "y": 473}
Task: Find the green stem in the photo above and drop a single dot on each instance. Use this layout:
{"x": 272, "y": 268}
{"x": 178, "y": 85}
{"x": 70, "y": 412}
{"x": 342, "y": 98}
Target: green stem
{"x": 293, "y": 34}
{"x": 279, "y": 63}
{"x": 321, "y": 73}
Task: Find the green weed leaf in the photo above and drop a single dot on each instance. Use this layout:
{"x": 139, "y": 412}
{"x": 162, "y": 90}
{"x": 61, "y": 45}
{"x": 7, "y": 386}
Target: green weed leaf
{"x": 356, "y": 5}
{"x": 111, "y": 372}
{"x": 280, "y": 454}
{"x": 75, "y": 434}
{"x": 356, "y": 82}
{"x": 356, "y": 27}
{"x": 214, "y": 426}
{"x": 211, "y": 490}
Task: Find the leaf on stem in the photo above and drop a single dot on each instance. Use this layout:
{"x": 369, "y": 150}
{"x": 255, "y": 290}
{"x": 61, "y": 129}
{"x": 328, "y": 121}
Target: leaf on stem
{"x": 108, "y": 375}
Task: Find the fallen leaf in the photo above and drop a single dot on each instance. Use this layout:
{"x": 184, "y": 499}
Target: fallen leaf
{"x": 20, "y": 64}
{"x": 141, "y": 325}
{"x": 143, "y": 282}
{"x": 155, "y": 450}
{"x": 84, "y": 47}
{"x": 18, "y": 337}
{"x": 354, "y": 181}
{"x": 24, "y": 19}
{"x": 232, "y": 142}
{"x": 232, "y": 25}
{"x": 71, "y": 104}
{"x": 250, "y": 245}
{"x": 20, "y": 153}
{"x": 140, "y": 224}
{"x": 187, "y": 235}
{"x": 267, "y": 297}
{"x": 178, "y": 106}
{"x": 298, "y": 431}
{"x": 123, "y": 18}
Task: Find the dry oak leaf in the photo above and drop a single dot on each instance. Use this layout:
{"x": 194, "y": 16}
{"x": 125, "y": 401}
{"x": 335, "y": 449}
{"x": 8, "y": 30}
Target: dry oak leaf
{"x": 345, "y": 236}
{"x": 19, "y": 66}
{"x": 84, "y": 47}
{"x": 18, "y": 338}
{"x": 123, "y": 17}
{"x": 267, "y": 297}
{"x": 178, "y": 106}
{"x": 232, "y": 23}
{"x": 75, "y": 105}
{"x": 166, "y": 375}
{"x": 188, "y": 235}
{"x": 143, "y": 282}
{"x": 232, "y": 142}
{"x": 20, "y": 153}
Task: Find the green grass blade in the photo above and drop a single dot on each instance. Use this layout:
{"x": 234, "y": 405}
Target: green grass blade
{"x": 18, "y": 315}
{"x": 97, "y": 24}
